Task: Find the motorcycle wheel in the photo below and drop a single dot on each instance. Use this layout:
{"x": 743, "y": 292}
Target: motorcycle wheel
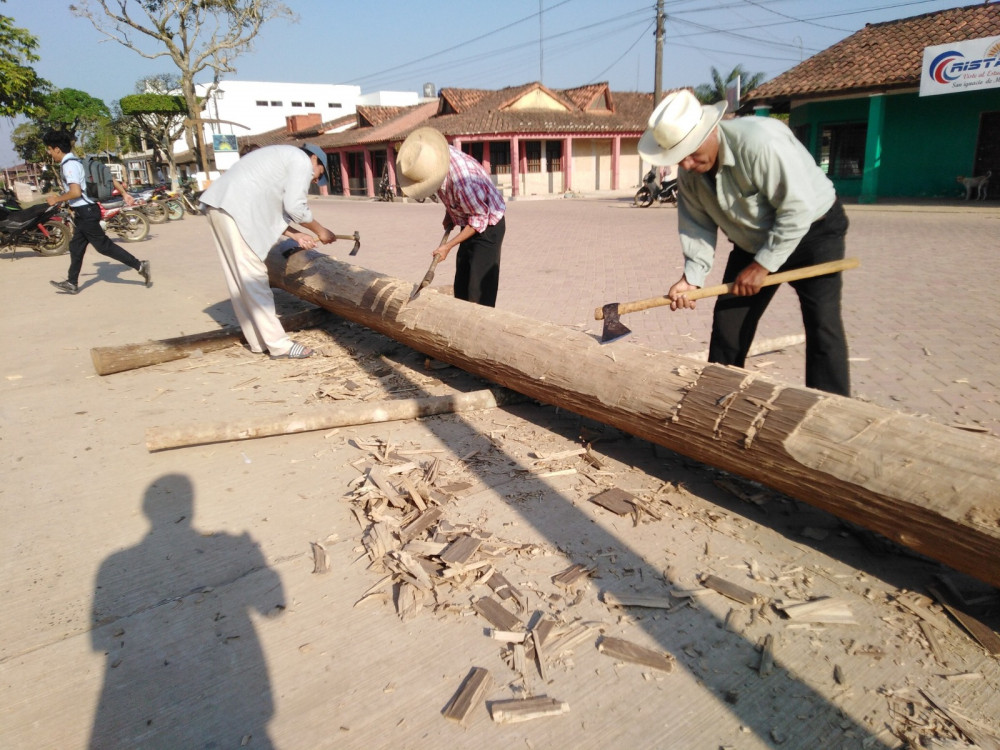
{"x": 131, "y": 226}
{"x": 669, "y": 195}
{"x": 191, "y": 206}
{"x": 175, "y": 210}
{"x": 155, "y": 212}
{"x": 643, "y": 197}
{"x": 57, "y": 243}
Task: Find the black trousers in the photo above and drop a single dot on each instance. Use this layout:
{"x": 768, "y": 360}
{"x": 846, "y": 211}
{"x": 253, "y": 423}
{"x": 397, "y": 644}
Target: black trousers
{"x": 88, "y": 231}
{"x": 477, "y": 266}
{"x": 735, "y": 320}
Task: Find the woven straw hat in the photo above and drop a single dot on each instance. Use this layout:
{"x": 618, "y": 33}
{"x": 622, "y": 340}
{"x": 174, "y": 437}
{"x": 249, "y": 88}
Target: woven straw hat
{"x": 677, "y": 127}
{"x": 422, "y": 163}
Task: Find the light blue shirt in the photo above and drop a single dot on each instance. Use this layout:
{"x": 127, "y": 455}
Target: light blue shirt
{"x": 73, "y": 173}
{"x": 766, "y": 193}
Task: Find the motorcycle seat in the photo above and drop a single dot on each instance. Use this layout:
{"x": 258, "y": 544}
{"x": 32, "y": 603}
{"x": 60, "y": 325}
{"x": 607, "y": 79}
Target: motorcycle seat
{"x": 18, "y": 221}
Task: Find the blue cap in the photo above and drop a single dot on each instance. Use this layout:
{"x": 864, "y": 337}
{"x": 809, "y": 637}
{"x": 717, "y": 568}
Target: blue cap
{"x": 321, "y": 155}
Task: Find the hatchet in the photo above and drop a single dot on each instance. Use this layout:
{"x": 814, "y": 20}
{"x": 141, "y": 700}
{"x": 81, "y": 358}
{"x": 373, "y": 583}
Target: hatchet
{"x": 614, "y": 329}
{"x": 429, "y": 276}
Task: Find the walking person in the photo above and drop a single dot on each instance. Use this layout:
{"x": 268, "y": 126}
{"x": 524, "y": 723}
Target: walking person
{"x": 427, "y": 164}
{"x": 751, "y": 178}
{"x": 86, "y": 216}
{"x": 250, "y": 208}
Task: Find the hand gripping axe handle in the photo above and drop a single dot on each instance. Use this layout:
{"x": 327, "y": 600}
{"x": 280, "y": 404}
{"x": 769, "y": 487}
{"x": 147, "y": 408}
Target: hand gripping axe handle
{"x": 354, "y": 251}
{"x": 429, "y": 276}
{"x": 614, "y": 329}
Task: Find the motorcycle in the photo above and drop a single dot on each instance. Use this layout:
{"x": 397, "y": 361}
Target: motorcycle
{"x": 664, "y": 192}
{"x": 188, "y": 197}
{"x": 130, "y": 224}
{"x": 155, "y": 211}
{"x": 386, "y": 191}
{"x": 38, "y": 227}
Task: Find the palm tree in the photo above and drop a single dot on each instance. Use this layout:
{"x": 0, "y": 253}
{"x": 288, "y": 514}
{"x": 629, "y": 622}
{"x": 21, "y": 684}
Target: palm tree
{"x": 710, "y": 93}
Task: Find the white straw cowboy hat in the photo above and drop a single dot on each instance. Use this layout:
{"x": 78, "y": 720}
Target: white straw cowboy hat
{"x": 677, "y": 127}
{"x": 422, "y": 163}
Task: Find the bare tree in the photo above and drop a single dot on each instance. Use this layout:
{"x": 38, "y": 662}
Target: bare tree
{"x": 195, "y": 34}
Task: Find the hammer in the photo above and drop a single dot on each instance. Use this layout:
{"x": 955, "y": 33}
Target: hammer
{"x": 354, "y": 251}
{"x": 429, "y": 276}
{"x": 614, "y": 329}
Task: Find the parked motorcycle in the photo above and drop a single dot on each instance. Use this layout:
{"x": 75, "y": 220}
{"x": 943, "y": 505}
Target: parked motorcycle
{"x": 386, "y": 190}
{"x": 128, "y": 223}
{"x": 38, "y": 227}
{"x": 665, "y": 192}
{"x": 155, "y": 211}
{"x": 188, "y": 196}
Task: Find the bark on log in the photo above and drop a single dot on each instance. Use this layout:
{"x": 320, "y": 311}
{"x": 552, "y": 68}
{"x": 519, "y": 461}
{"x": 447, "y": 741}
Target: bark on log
{"x": 112, "y": 359}
{"x": 929, "y": 487}
{"x": 365, "y": 412}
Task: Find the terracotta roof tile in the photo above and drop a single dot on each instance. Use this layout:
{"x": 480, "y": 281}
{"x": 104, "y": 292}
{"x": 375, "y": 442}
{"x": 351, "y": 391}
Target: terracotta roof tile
{"x": 375, "y": 115}
{"x": 881, "y": 55}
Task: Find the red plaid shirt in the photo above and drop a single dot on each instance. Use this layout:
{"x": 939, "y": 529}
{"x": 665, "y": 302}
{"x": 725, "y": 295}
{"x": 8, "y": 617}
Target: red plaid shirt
{"x": 468, "y": 194}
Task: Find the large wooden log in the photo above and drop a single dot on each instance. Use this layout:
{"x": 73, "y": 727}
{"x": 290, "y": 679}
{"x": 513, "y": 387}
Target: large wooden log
{"x": 324, "y": 418}
{"x": 112, "y": 359}
{"x": 929, "y": 487}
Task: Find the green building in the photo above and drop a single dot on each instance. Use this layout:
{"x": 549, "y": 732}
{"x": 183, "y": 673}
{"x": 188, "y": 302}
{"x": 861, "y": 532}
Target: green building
{"x": 856, "y": 107}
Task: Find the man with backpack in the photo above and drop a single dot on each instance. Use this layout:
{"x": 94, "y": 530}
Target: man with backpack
{"x": 86, "y": 214}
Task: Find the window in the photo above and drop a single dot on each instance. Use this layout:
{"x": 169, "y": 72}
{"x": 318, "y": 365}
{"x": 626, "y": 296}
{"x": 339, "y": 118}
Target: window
{"x": 276, "y": 104}
{"x": 475, "y": 150}
{"x": 261, "y": 104}
{"x": 533, "y": 155}
{"x": 553, "y": 156}
{"x": 335, "y": 105}
{"x": 500, "y": 157}
{"x": 802, "y": 133}
{"x": 310, "y": 104}
{"x": 296, "y": 104}
{"x": 842, "y": 150}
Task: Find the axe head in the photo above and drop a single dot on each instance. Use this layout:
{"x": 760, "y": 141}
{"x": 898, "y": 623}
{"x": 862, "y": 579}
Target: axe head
{"x": 357, "y": 244}
{"x": 614, "y": 329}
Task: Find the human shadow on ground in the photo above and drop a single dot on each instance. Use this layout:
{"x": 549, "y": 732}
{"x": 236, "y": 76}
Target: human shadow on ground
{"x": 556, "y": 517}
{"x": 112, "y": 272}
{"x": 183, "y": 665}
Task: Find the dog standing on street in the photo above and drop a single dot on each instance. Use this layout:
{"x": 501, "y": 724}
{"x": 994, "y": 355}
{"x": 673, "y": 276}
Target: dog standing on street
{"x": 979, "y": 184}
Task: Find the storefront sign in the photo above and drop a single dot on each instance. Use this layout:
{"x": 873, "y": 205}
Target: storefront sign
{"x": 973, "y": 65}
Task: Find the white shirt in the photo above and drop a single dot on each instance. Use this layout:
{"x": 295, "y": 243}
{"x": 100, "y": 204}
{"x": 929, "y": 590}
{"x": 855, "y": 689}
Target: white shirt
{"x": 73, "y": 173}
{"x": 264, "y": 192}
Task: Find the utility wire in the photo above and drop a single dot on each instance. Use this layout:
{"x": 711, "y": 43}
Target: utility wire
{"x": 619, "y": 59}
{"x": 793, "y": 18}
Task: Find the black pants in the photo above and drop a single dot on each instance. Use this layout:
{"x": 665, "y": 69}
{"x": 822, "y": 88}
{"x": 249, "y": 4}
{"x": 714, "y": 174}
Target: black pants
{"x": 477, "y": 267}
{"x": 735, "y": 320}
{"x": 88, "y": 231}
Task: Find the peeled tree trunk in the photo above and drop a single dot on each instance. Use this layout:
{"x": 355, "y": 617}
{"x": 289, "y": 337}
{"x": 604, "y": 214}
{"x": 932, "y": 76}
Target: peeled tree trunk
{"x": 932, "y": 488}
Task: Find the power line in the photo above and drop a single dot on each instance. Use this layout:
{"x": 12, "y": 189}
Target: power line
{"x": 457, "y": 46}
{"x": 619, "y": 59}
{"x": 793, "y": 18}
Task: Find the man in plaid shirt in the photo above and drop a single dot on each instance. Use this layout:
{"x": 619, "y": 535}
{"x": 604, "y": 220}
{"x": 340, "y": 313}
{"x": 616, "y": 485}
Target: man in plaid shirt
{"x": 427, "y": 164}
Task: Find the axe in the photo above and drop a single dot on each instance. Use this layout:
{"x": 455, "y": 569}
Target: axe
{"x": 614, "y": 329}
{"x": 429, "y": 276}
{"x": 354, "y": 251}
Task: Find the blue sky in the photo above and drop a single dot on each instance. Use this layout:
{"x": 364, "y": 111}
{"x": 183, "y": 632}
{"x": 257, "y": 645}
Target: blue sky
{"x": 391, "y": 44}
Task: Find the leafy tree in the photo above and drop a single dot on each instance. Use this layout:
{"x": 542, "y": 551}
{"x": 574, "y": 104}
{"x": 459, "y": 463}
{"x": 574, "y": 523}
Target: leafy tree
{"x": 710, "y": 93}
{"x": 195, "y": 34}
{"x": 20, "y": 86}
{"x": 27, "y": 141}
{"x": 79, "y": 112}
{"x": 155, "y": 115}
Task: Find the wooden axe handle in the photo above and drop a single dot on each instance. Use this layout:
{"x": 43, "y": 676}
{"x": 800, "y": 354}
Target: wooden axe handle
{"x": 807, "y": 272}
{"x": 345, "y": 236}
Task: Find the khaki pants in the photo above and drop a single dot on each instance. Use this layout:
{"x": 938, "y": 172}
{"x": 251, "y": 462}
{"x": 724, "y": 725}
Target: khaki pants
{"x": 249, "y": 289}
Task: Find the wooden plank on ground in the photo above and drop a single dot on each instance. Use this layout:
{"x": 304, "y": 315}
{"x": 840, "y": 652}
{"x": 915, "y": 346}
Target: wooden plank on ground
{"x": 571, "y": 576}
{"x": 421, "y": 523}
{"x": 727, "y": 588}
{"x": 470, "y": 694}
{"x": 618, "y": 648}
{"x": 983, "y": 635}
{"x": 634, "y": 600}
{"x": 461, "y": 550}
{"x": 496, "y": 615}
{"x": 512, "y": 711}
{"x": 616, "y": 500}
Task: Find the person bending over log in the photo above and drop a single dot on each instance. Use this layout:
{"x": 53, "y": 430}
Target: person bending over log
{"x": 752, "y": 178}
{"x": 427, "y": 164}
{"x": 250, "y": 208}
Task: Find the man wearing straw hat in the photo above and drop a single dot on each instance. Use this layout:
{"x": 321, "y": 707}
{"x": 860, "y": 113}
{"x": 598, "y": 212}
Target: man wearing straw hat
{"x": 751, "y": 178}
{"x": 250, "y": 208}
{"x": 426, "y": 164}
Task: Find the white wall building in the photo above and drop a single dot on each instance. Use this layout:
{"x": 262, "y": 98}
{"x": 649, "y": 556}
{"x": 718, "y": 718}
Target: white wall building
{"x": 263, "y": 106}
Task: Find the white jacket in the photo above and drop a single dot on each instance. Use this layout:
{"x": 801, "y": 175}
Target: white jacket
{"x": 264, "y": 192}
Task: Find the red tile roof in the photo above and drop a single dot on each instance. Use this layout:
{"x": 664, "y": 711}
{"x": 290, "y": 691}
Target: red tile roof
{"x": 881, "y": 55}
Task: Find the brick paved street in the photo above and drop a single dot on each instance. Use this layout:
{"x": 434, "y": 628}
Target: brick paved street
{"x": 921, "y": 313}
